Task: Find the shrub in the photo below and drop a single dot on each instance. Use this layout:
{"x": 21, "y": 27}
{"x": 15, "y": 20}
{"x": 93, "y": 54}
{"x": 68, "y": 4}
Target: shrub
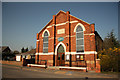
{"x": 110, "y": 59}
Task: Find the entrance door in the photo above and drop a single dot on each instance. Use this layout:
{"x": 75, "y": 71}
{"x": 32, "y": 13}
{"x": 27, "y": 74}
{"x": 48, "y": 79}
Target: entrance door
{"x": 60, "y": 56}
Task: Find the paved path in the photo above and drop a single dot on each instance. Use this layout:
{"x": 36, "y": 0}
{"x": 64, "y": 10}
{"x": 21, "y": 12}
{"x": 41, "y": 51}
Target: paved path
{"x": 10, "y": 71}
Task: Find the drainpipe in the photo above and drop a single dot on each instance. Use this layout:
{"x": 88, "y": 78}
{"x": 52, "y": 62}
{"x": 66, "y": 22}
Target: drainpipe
{"x": 68, "y": 26}
{"x": 54, "y": 31}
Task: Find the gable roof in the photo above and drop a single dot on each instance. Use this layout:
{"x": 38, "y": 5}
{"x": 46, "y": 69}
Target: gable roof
{"x": 57, "y": 15}
{"x": 31, "y": 52}
{"x": 2, "y": 48}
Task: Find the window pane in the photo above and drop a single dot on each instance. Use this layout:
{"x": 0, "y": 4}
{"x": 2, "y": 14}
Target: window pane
{"x": 79, "y": 28}
{"x": 45, "y": 39}
{"x": 79, "y": 39}
{"x": 80, "y": 48}
{"x": 79, "y": 35}
{"x": 45, "y": 44}
{"x": 45, "y": 50}
{"x": 80, "y": 42}
{"x": 46, "y": 33}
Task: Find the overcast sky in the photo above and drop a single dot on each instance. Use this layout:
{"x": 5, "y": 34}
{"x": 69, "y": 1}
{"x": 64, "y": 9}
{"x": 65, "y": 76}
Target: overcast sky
{"x": 21, "y": 21}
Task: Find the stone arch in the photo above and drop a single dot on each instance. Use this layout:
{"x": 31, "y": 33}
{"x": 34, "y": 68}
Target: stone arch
{"x": 58, "y": 46}
{"x": 80, "y": 25}
{"x": 44, "y": 32}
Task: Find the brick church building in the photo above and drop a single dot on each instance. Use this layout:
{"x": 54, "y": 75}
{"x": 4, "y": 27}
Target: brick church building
{"x": 70, "y": 42}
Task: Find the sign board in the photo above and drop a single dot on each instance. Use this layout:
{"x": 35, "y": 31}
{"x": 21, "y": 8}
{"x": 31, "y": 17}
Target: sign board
{"x": 60, "y": 39}
{"x": 60, "y": 31}
{"x": 67, "y": 57}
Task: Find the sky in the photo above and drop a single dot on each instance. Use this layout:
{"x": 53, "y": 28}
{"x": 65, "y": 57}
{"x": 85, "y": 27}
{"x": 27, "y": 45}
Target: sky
{"x": 21, "y": 21}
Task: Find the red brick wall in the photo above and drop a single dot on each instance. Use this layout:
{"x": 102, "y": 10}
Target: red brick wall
{"x": 98, "y": 66}
{"x": 61, "y": 17}
{"x": 49, "y": 59}
{"x": 89, "y": 40}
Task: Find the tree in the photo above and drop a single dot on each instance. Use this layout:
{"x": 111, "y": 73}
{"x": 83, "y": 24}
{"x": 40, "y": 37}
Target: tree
{"x": 26, "y": 49}
{"x": 22, "y": 50}
{"x": 110, "y": 55}
{"x": 111, "y": 41}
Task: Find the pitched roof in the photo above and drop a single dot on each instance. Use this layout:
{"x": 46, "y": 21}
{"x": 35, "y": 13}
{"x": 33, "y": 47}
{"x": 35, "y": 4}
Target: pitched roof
{"x": 2, "y": 48}
{"x": 57, "y": 15}
{"x": 31, "y": 52}
{"x": 96, "y": 33}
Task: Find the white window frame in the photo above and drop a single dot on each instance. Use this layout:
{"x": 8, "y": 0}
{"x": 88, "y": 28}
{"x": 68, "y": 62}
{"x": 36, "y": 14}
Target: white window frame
{"x": 45, "y": 41}
{"x": 79, "y": 38}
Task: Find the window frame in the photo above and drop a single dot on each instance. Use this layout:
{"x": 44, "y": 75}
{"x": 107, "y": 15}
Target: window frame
{"x": 44, "y": 42}
{"x": 81, "y": 38}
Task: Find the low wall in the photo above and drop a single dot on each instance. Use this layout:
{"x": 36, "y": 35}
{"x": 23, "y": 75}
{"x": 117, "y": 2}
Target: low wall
{"x": 12, "y": 63}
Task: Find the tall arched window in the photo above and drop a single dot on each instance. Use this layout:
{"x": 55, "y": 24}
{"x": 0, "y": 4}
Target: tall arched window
{"x": 79, "y": 39}
{"x": 45, "y": 42}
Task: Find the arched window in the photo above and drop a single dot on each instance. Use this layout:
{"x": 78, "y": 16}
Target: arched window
{"x": 79, "y": 39}
{"x": 45, "y": 42}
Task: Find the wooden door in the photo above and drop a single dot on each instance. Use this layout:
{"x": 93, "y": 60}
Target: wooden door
{"x": 60, "y": 56}
{"x": 61, "y": 59}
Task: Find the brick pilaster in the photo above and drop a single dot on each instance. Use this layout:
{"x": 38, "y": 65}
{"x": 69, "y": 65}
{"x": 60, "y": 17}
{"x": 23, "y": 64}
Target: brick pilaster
{"x": 54, "y": 35}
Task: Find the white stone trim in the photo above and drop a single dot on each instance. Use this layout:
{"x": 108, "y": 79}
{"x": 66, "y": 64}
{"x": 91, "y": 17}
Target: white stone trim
{"x": 97, "y": 59}
{"x": 36, "y": 53}
{"x": 73, "y": 21}
{"x": 49, "y": 26}
{"x": 50, "y": 53}
{"x": 58, "y": 46}
{"x": 72, "y": 36}
{"x": 38, "y": 40}
{"x": 86, "y": 52}
{"x": 61, "y": 23}
{"x": 80, "y": 25}
{"x": 90, "y": 52}
{"x": 44, "y": 32}
{"x": 36, "y": 65}
{"x": 66, "y": 53}
{"x": 73, "y": 67}
{"x": 90, "y": 34}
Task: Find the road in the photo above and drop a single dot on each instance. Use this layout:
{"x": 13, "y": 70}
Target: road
{"x": 29, "y": 72}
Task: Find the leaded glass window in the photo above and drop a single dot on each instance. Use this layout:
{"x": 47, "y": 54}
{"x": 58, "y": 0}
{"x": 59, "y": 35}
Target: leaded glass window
{"x": 79, "y": 39}
{"x": 45, "y": 42}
